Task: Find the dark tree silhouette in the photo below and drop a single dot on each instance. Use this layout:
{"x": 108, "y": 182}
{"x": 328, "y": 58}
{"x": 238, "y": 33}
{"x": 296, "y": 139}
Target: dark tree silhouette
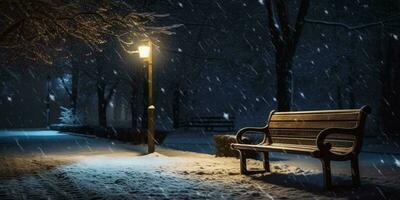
{"x": 284, "y": 38}
{"x": 38, "y": 29}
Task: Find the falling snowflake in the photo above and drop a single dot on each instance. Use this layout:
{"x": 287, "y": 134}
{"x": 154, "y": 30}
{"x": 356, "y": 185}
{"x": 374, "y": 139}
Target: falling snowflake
{"x": 162, "y": 90}
{"x": 9, "y": 99}
{"x": 179, "y": 49}
{"x": 226, "y": 115}
{"x": 397, "y": 162}
{"x": 52, "y": 97}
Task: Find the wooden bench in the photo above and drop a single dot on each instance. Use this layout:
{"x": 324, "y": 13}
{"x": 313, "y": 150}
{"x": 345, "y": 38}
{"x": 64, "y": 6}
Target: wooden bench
{"x": 212, "y": 123}
{"x": 328, "y": 135}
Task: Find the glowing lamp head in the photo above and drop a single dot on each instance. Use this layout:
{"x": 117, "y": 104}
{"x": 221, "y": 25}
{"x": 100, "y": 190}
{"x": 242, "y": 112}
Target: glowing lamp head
{"x": 144, "y": 51}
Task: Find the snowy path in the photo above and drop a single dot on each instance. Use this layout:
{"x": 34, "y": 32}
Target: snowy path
{"x": 111, "y": 170}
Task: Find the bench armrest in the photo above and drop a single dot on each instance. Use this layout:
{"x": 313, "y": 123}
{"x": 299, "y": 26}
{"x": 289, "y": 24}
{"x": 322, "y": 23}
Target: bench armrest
{"x": 242, "y": 131}
{"x": 324, "y": 148}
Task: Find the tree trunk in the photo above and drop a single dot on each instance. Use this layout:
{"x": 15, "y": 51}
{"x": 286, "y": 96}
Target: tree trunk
{"x": 101, "y": 91}
{"x": 283, "y": 83}
{"x": 101, "y": 104}
{"x": 133, "y": 106}
{"x": 350, "y": 84}
{"x": 339, "y": 99}
{"x": 351, "y": 101}
{"x": 284, "y": 37}
{"x": 48, "y": 99}
{"x": 176, "y": 103}
{"x": 336, "y": 68}
{"x": 389, "y": 110}
{"x": 74, "y": 88}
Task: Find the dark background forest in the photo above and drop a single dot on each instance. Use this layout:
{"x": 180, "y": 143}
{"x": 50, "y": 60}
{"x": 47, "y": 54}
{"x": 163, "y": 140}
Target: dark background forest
{"x": 221, "y": 60}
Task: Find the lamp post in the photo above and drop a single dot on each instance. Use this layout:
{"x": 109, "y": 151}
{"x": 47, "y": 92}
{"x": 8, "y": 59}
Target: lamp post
{"x": 145, "y": 52}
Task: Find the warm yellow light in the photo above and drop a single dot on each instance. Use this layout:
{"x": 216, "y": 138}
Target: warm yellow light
{"x": 144, "y": 51}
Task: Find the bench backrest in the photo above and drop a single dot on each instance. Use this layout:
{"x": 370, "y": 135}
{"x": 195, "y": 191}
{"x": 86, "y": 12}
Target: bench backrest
{"x": 302, "y": 127}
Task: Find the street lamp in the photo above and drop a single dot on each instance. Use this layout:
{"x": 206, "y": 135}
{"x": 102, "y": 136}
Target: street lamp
{"x": 145, "y": 52}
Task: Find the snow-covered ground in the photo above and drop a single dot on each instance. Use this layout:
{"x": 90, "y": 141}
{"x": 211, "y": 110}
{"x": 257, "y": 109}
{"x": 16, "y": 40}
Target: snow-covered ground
{"x": 50, "y": 165}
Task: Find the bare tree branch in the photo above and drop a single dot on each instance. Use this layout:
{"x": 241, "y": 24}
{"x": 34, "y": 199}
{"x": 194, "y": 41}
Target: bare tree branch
{"x": 355, "y": 27}
{"x": 65, "y": 86}
{"x": 35, "y": 28}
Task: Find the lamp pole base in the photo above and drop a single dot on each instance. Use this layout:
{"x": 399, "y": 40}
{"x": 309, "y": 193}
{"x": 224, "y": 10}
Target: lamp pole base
{"x": 150, "y": 129}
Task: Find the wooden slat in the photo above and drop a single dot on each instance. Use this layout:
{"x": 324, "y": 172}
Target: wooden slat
{"x": 311, "y": 141}
{"x": 287, "y": 148}
{"x": 317, "y": 117}
{"x": 334, "y": 149}
{"x": 272, "y": 148}
{"x": 313, "y": 125}
{"x": 304, "y": 133}
{"x": 317, "y": 111}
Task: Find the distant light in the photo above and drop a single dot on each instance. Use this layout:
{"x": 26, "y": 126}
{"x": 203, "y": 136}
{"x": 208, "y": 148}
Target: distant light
{"x": 144, "y": 51}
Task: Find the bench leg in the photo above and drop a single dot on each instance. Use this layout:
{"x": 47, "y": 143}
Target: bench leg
{"x": 326, "y": 168}
{"x": 355, "y": 172}
{"x": 266, "y": 161}
{"x": 243, "y": 163}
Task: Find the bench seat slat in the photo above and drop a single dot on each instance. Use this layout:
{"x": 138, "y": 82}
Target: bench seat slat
{"x": 290, "y": 148}
{"x": 311, "y": 141}
{"x": 306, "y": 133}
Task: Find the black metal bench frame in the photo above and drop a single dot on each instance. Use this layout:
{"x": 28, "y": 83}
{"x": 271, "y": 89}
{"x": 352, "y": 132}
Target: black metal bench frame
{"x": 323, "y": 150}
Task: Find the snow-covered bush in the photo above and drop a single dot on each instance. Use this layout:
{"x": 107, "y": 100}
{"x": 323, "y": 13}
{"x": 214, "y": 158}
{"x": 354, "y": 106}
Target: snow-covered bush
{"x": 67, "y": 116}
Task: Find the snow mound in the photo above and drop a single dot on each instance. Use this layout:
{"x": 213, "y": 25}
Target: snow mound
{"x": 155, "y": 154}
